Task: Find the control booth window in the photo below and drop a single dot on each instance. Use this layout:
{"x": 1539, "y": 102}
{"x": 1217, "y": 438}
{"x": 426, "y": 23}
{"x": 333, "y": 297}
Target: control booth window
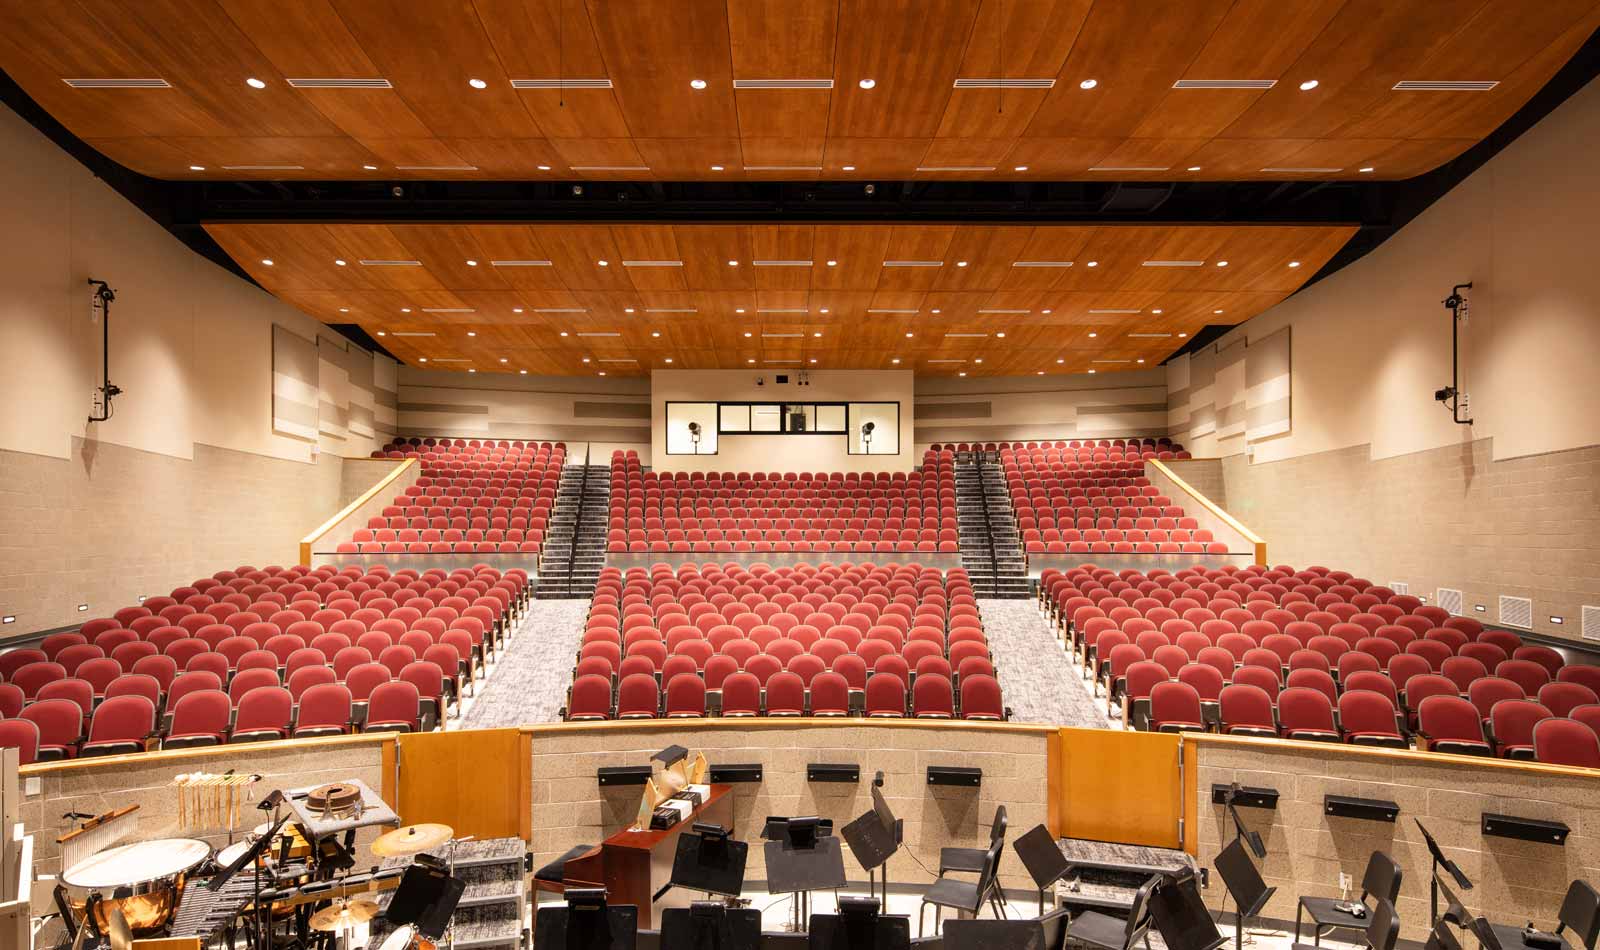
{"x": 692, "y": 428}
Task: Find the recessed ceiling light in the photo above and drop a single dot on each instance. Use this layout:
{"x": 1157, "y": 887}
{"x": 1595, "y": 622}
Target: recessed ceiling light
{"x": 1038, "y": 372}
{"x": 197, "y": 168}
{"x": 716, "y": 168}
{"x": 749, "y": 361}
{"x": 422, "y": 360}
{"x": 733, "y": 263}
{"x": 655, "y": 333}
{"x": 586, "y": 359}
{"x": 405, "y": 309}
{"x": 896, "y": 360}
{"x": 813, "y": 359}
{"x": 1092, "y": 335}
{"x": 504, "y": 360}
{"x": 1093, "y": 264}
{"x": 823, "y": 310}
{"x": 1045, "y": 310}
{"x": 961, "y": 263}
{"x": 627, "y": 309}
{"x": 523, "y": 372}
{"x": 867, "y": 83}
{"x": 380, "y": 332}
{"x": 1088, "y": 84}
{"x": 1060, "y": 361}
{"x": 936, "y": 310}
{"x": 1194, "y": 168}
{"x": 963, "y": 372}
{"x": 818, "y": 333}
{"x": 477, "y": 84}
{"x": 978, "y": 360}
{"x": 347, "y": 310}
{"x": 667, "y": 360}
{"x": 563, "y": 333}
{"x": 1366, "y": 171}
{"x": 339, "y": 261}
{"x": 1141, "y": 361}
{"x": 849, "y": 168}
{"x": 1020, "y": 168}
{"x": 738, "y": 310}
{"x": 1216, "y": 311}
{"x": 1294, "y": 263}
{"x": 1308, "y": 85}
{"x": 1155, "y": 311}
{"x": 747, "y": 333}
{"x": 1001, "y": 335}
{"x": 833, "y": 263}
{"x": 1091, "y": 372}
{"x": 472, "y": 371}
{"x": 603, "y": 263}
{"x": 910, "y": 335}
{"x": 602, "y": 372}
{"x": 472, "y": 333}
{"x": 544, "y": 168}
{"x": 516, "y": 309}
{"x": 1222, "y": 263}
{"x": 1181, "y": 335}
{"x": 370, "y": 168}
{"x": 267, "y": 261}
{"x": 472, "y": 263}
{"x": 255, "y": 83}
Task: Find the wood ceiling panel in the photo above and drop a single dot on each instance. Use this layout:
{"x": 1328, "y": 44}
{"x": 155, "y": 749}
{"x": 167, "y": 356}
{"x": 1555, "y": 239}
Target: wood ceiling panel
{"x": 704, "y": 309}
{"x": 651, "y": 125}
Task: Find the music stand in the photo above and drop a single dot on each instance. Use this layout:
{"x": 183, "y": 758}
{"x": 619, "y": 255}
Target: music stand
{"x": 874, "y": 838}
{"x": 1181, "y": 915}
{"x": 994, "y": 935}
{"x": 586, "y": 922}
{"x": 426, "y": 897}
{"x": 707, "y": 860}
{"x": 859, "y": 926}
{"x": 708, "y": 925}
{"x": 1043, "y": 858}
{"x": 802, "y": 856}
{"x": 1244, "y": 884}
{"x": 1440, "y": 861}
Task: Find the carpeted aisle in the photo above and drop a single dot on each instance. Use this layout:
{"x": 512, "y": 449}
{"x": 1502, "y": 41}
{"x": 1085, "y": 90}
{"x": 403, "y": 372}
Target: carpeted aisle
{"x": 1038, "y": 678}
{"x": 529, "y": 681}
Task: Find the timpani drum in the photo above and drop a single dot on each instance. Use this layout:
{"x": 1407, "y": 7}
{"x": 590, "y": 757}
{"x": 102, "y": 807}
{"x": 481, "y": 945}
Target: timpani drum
{"x": 143, "y": 880}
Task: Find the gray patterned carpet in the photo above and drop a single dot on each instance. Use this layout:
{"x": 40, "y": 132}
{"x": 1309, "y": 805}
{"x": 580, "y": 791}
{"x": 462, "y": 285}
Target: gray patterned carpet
{"x": 1038, "y": 678}
{"x": 529, "y": 683}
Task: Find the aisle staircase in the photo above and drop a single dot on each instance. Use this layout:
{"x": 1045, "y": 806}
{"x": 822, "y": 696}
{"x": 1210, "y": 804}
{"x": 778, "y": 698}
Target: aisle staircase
{"x": 991, "y": 549}
{"x": 574, "y": 547}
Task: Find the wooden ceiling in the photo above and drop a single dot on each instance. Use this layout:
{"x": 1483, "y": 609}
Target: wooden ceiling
{"x": 430, "y": 123}
{"x": 627, "y": 299}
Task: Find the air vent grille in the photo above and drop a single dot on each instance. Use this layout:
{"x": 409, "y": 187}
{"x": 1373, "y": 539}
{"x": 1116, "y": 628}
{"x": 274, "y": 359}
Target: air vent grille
{"x": 561, "y": 84}
{"x": 118, "y": 83}
{"x": 783, "y": 84}
{"x": 340, "y": 83}
{"x": 1424, "y": 85}
{"x": 1516, "y": 612}
{"x": 1005, "y": 84}
{"x": 1591, "y": 622}
{"x": 1450, "y": 599}
{"x": 1400, "y": 587}
{"x": 1225, "y": 84}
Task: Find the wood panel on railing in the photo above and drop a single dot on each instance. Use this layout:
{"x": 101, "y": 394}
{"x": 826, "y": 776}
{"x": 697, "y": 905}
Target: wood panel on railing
{"x": 474, "y": 780}
{"x": 1119, "y": 786}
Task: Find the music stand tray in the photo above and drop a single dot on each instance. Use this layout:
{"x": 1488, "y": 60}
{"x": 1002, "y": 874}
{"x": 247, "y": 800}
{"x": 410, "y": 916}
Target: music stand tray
{"x": 791, "y": 870}
{"x": 613, "y": 927}
{"x": 708, "y": 864}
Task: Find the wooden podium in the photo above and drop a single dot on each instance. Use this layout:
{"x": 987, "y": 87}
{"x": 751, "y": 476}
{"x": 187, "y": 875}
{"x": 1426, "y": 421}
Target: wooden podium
{"x": 633, "y": 865}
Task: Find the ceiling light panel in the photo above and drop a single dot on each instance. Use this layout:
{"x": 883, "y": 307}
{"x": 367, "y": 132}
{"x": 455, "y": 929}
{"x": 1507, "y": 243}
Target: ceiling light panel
{"x": 436, "y": 168}
{"x": 1005, "y": 84}
{"x": 652, "y": 263}
{"x": 340, "y": 83}
{"x": 413, "y": 333}
{"x": 795, "y": 263}
{"x": 783, "y": 168}
{"x": 1225, "y": 84}
{"x": 783, "y": 84}
{"x": 1041, "y": 263}
{"x": 263, "y": 168}
{"x": 152, "y": 83}
{"x": 598, "y": 333}
{"x": 955, "y": 168}
{"x": 913, "y": 263}
{"x": 561, "y": 84}
{"x": 1128, "y": 168}
{"x": 449, "y": 310}
{"x": 560, "y": 309}
{"x": 1174, "y": 263}
{"x": 1115, "y": 310}
{"x": 389, "y": 263}
{"x": 519, "y": 264}
{"x": 1435, "y": 85}
{"x": 1149, "y": 336}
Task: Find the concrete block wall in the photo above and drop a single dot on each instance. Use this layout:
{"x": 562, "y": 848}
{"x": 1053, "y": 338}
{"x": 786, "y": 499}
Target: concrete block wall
{"x": 570, "y": 808}
{"x": 1451, "y": 517}
{"x": 111, "y": 523}
{"x": 1515, "y": 881}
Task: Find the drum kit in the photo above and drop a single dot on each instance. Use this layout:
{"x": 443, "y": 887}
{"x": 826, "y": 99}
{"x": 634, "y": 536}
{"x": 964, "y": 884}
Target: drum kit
{"x": 273, "y": 878}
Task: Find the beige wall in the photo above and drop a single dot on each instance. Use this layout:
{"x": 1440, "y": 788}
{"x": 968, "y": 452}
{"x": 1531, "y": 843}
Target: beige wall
{"x": 779, "y": 453}
{"x": 1515, "y": 881}
{"x": 1374, "y": 477}
{"x": 570, "y": 808}
{"x": 601, "y": 414}
{"x": 1075, "y": 406}
{"x": 187, "y": 477}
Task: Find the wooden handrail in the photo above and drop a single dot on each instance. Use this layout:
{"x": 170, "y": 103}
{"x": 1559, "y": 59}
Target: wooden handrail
{"x": 1256, "y": 540}
{"x": 345, "y": 512}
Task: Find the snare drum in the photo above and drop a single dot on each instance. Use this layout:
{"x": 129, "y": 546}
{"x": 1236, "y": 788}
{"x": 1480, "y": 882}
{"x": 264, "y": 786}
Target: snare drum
{"x": 146, "y": 879}
{"x": 405, "y": 937}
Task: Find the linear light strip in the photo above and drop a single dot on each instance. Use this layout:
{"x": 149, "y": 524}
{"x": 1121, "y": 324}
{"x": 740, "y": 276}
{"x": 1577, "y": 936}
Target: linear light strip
{"x": 1005, "y": 84}
{"x": 1041, "y": 263}
{"x": 592, "y": 333}
{"x": 913, "y": 263}
{"x": 519, "y": 264}
{"x": 996, "y": 310}
{"x": 620, "y": 360}
{"x": 1111, "y": 361}
{"x": 889, "y": 310}
{"x": 783, "y": 168}
{"x": 413, "y": 333}
{"x": 967, "y": 335}
{"x": 1318, "y": 171}
{"x": 782, "y": 336}
{"x": 944, "y": 361}
{"x": 955, "y": 168}
{"x": 1443, "y": 85}
{"x": 340, "y": 83}
{"x": 153, "y": 83}
{"x": 560, "y": 309}
{"x": 1149, "y": 336}
{"x": 449, "y": 309}
{"x": 782, "y": 310}
{"x": 263, "y": 168}
{"x": 1116, "y": 310}
{"x": 389, "y": 263}
{"x": 451, "y": 359}
{"x": 652, "y": 263}
{"x": 1174, "y": 263}
{"x": 670, "y": 310}
{"x": 783, "y": 84}
{"x": 1225, "y": 84}
{"x": 436, "y": 168}
{"x": 794, "y": 263}
{"x": 1129, "y": 168}
{"x": 610, "y": 168}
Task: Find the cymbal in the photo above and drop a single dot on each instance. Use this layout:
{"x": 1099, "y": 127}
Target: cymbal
{"x": 344, "y": 914}
{"x": 411, "y": 839}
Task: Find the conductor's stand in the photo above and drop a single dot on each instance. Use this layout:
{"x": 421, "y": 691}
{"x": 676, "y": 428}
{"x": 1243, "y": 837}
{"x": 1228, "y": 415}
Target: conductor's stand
{"x": 802, "y": 856}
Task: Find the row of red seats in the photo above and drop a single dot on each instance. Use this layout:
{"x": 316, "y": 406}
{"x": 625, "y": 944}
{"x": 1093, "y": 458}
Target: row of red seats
{"x": 766, "y": 623}
{"x": 639, "y": 696}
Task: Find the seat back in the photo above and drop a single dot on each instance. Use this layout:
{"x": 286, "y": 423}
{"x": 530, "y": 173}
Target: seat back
{"x": 1566, "y": 742}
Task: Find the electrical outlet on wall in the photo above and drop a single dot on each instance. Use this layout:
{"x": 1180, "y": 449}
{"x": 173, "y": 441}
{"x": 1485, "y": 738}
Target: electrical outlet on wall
{"x": 1345, "y": 882}
{"x": 1464, "y": 402}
